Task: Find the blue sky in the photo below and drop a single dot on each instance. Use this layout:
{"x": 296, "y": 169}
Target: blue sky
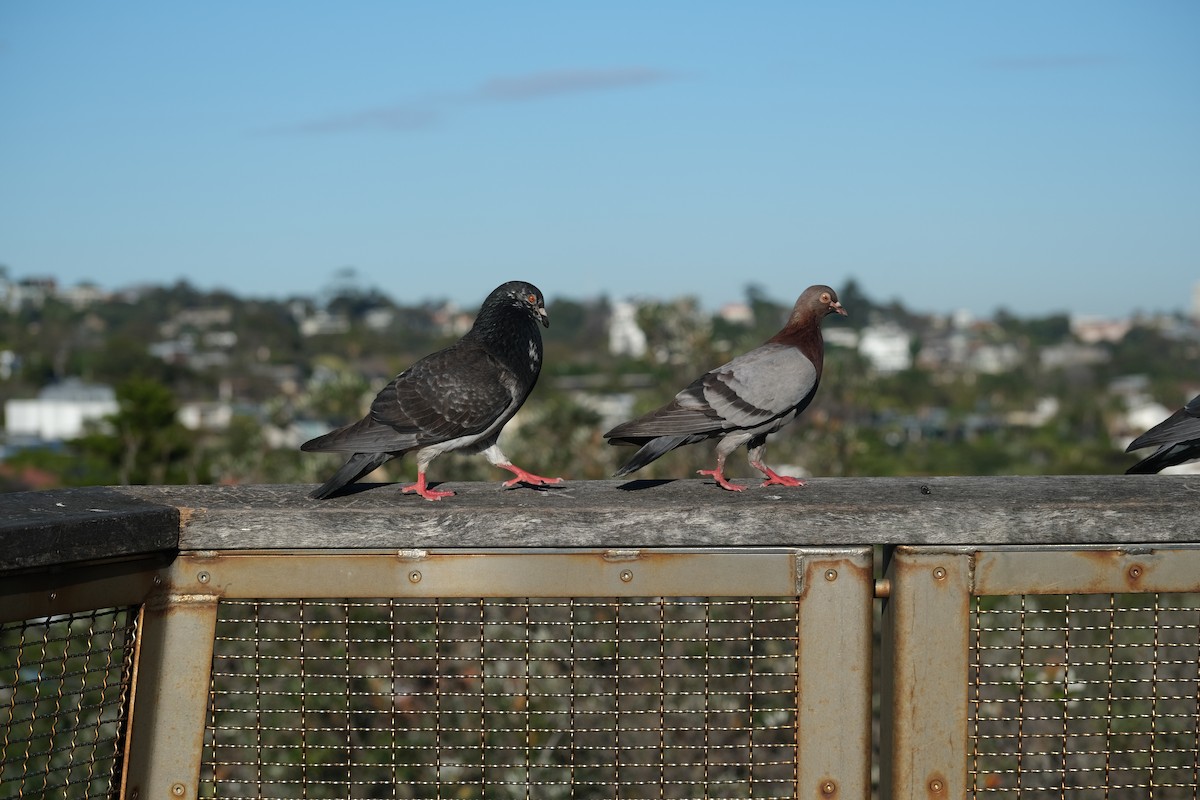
{"x": 1034, "y": 156}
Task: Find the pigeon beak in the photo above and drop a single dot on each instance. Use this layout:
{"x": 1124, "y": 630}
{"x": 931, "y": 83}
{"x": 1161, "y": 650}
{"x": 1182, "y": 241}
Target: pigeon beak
{"x": 541, "y": 310}
{"x": 836, "y": 306}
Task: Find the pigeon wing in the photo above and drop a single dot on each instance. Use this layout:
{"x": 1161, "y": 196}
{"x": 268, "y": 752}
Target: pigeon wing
{"x": 459, "y": 391}
{"x": 749, "y": 391}
{"x": 760, "y": 386}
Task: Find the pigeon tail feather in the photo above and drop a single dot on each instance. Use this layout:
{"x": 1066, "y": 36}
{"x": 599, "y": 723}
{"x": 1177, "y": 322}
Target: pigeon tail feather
{"x": 653, "y": 450}
{"x": 357, "y": 466}
{"x": 364, "y": 436}
{"x": 1168, "y": 455}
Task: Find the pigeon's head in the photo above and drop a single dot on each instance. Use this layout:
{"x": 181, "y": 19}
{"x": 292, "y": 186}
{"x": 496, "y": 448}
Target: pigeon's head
{"x": 522, "y": 295}
{"x": 818, "y": 301}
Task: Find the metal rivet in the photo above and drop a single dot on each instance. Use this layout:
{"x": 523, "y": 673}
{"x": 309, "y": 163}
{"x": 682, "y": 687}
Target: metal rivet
{"x": 939, "y": 573}
{"x": 926, "y": 490}
{"x": 203, "y": 577}
{"x": 178, "y": 790}
{"x": 626, "y": 575}
{"x": 1135, "y": 571}
{"x": 831, "y": 574}
{"x": 936, "y": 786}
{"x": 828, "y": 788}
{"x": 414, "y": 576}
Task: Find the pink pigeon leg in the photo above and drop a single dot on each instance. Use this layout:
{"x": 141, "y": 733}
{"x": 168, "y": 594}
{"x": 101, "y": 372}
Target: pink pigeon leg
{"x": 526, "y": 477}
{"x": 497, "y": 458}
{"x": 420, "y": 488}
{"x": 719, "y": 476}
{"x": 774, "y": 478}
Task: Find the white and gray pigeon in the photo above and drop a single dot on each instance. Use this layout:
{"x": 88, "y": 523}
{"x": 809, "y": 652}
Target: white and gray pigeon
{"x": 458, "y": 398}
{"x": 744, "y": 401}
{"x": 1177, "y": 437}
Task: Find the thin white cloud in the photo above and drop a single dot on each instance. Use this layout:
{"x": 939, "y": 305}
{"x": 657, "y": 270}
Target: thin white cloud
{"x": 396, "y": 118}
{"x": 427, "y": 113}
{"x": 574, "y": 81}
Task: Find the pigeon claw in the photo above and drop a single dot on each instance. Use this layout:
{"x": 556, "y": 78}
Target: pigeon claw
{"x": 526, "y": 477}
{"x": 420, "y": 488}
{"x": 775, "y": 479}
{"x": 716, "y": 475}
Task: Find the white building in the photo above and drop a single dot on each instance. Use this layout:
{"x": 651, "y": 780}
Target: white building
{"x": 737, "y": 314}
{"x": 60, "y": 410}
{"x": 206, "y": 416}
{"x": 993, "y": 359}
{"x": 887, "y": 347}
{"x": 625, "y": 338}
{"x": 1093, "y": 330}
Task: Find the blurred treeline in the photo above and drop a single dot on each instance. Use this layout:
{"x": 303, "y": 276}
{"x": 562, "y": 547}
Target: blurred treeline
{"x": 283, "y": 382}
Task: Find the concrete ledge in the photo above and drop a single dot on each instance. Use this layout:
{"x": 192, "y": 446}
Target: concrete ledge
{"x": 41, "y": 528}
{"x": 92, "y": 525}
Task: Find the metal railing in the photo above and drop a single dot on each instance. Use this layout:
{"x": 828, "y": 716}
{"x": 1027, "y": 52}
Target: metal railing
{"x": 849, "y": 640}
{"x": 1072, "y": 672}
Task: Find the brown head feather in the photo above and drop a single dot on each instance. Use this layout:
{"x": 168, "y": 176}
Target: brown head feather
{"x": 803, "y": 328}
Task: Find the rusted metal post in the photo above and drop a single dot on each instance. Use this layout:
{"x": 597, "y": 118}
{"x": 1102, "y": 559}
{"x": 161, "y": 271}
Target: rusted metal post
{"x": 173, "y": 666}
{"x": 834, "y": 674}
{"x": 926, "y": 627}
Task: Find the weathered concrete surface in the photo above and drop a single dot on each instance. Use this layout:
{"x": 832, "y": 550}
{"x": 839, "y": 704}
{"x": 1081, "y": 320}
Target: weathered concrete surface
{"x": 39, "y": 528}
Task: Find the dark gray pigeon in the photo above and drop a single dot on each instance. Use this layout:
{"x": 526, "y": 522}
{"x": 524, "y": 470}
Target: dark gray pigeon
{"x": 743, "y": 401}
{"x": 1177, "y": 437}
{"x": 458, "y": 398}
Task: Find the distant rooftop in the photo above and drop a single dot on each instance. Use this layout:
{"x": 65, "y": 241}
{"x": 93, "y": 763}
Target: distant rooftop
{"x": 77, "y": 390}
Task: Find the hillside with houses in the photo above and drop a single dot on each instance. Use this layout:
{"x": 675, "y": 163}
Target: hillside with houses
{"x": 172, "y": 384}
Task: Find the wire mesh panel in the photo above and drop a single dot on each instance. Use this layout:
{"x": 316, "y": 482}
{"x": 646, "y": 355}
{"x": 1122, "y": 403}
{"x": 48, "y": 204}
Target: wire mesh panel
{"x": 498, "y": 698}
{"x": 64, "y": 692}
{"x": 1085, "y": 695}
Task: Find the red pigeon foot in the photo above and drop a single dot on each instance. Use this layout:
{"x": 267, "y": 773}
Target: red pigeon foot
{"x": 720, "y": 479}
{"x": 526, "y": 477}
{"x": 775, "y": 479}
{"x": 420, "y": 488}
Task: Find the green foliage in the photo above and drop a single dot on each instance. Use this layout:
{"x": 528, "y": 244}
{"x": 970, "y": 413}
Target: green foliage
{"x": 1038, "y": 331}
{"x": 143, "y": 443}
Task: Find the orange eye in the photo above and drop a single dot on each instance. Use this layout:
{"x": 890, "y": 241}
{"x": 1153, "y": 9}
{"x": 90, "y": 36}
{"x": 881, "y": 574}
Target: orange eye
{"x": 531, "y": 299}
{"x": 824, "y": 297}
